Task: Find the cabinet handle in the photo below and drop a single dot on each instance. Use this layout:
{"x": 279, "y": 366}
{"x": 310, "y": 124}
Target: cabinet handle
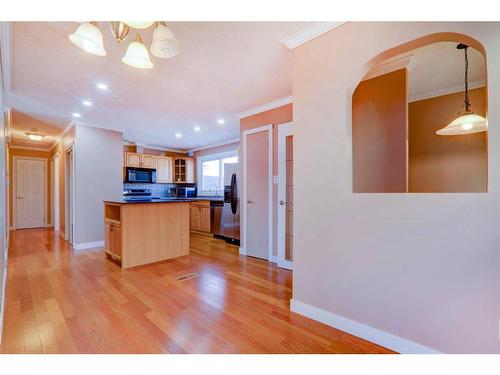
{"x": 282, "y": 203}
{"x": 250, "y": 202}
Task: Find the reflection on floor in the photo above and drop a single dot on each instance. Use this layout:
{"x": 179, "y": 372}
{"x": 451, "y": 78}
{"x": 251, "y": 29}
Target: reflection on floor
{"x": 212, "y": 301}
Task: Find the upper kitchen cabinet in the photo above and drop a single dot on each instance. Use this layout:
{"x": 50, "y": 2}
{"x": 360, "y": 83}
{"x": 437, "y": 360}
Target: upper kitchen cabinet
{"x": 133, "y": 159}
{"x": 183, "y": 169}
{"x": 164, "y": 169}
{"x": 148, "y": 161}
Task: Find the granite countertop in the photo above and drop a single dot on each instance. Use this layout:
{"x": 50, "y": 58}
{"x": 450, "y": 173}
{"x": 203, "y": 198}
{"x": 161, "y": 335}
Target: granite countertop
{"x": 166, "y": 200}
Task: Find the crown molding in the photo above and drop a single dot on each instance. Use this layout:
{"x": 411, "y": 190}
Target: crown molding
{"x": 160, "y": 148}
{"x": 32, "y": 148}
{"x": 308, "y": 33}
{"x": 389, "y": 66}
{"x": 6, "y": 44}
{"x": 266, "y": 107}
{"x": 222, "y": 143}
{"x": 445, "y": 91}
{"x": 61, "y": 135}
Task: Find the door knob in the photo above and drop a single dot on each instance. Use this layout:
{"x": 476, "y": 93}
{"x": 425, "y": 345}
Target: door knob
{"x": 250, "y": 202}
{"x": 282, "y": 203}
{"x": 20, "y": 197}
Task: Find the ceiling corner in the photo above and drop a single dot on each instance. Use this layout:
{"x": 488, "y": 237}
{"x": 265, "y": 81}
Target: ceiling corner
{"x": 308, "y": 33}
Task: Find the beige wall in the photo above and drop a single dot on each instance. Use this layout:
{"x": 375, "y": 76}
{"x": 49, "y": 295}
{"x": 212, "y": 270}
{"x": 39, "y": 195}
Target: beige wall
{"x": 276, "y": 117}
{"x": 3, "y": 209}
{"x": 98, "y": 165}
{"x": 31, "y": 154}
{"x": 446, "y": 163}
{"x": 423, "y": 267}
{"x": 379, "y": 133}
{"x": 217, "y": 149}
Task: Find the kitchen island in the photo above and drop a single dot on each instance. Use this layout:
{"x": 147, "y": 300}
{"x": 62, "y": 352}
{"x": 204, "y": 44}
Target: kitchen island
{"x": 143, "y": 232}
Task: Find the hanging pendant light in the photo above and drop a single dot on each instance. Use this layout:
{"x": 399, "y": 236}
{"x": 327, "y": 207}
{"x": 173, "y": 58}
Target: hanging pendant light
{"x": 88, "y": 37}
{"x": 164, "y": 44}
{"x": 467, "y": 122}
{"x": 120, "y": 30}
{"x": 137, "y": 54}
{"x": 139, "y": 24}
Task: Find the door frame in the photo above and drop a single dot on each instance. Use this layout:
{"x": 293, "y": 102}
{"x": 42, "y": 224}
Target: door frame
{"x": 69, "y": 194}
{"x": 284, "y": 130}
{"x": 55, "y": 192}
{"x": 245, "y": 134}
{"x": 14, "y": 188}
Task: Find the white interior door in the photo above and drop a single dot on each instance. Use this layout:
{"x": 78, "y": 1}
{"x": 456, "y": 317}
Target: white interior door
{"x": 257, "y": 206}
{"x": 285, "y": 196}
{"x": 30, "y": 193}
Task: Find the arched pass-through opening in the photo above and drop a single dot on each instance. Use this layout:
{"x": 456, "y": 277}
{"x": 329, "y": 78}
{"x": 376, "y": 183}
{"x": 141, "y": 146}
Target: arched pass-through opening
{"x": 405, "y": 96}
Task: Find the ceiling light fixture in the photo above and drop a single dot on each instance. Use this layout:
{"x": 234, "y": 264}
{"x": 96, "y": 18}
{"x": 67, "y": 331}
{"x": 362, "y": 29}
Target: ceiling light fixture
{"x": 102, "y": 86}
{"x": 87, "y": 103}
{"x": 178, "y": 135}
{"x": 89, "y": 38}
{"x": 197, "y": 128}
{"x": 119, "y": 30}
{"x": 77, "y": 115}
{"x": 139, "y": 24}
{"x": 35, "y": 137}
{"x": 164, "y": 44}
{"x": 221, "y": 121}
{"x": 137, "y": 54}
{"x": 467, "y": 122}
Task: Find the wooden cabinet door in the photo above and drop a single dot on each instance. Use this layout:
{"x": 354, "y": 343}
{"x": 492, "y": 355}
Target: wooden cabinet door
{"x": 133, "y": 159}
{"x": 163, "y": 169}
{"x": 180, "y": 170}
{"x": 117, "y": 240}
{"x": 148, "y": 161}
{"x": 108, "y": 240}
{"x": 195, "y": 217}
{"x": 205, "y": 219}
{"x": 190, "y": 170}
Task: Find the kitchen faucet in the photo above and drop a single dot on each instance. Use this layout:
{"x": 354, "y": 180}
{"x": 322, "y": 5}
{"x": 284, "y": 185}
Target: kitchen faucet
{"x": 210, "y": 189}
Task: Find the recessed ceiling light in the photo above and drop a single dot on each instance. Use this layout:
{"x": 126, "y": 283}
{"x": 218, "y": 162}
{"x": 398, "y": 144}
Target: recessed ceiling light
{"x": 88, "y": 103}
{"x": 197, "y": 128}
{"x": 221, "y": 121}
{"x": 102, "y": 86}
{"x": 77, "y": 115}
{"x": 178, "y": 135}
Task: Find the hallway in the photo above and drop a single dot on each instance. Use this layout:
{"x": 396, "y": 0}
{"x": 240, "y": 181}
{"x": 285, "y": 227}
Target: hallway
{"x": 212, "y": 301}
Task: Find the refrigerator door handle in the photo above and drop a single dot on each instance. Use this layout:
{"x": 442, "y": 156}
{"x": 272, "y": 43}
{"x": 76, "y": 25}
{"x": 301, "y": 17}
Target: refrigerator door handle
{"x": 234, "y": 194}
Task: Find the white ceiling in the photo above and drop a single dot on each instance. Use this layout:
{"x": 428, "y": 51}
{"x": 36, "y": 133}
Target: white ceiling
{"x": 436, "y": 69}
{"x": 223, "y": 68}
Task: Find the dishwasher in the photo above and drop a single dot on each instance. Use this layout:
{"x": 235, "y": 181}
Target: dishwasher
{"x": 216, "y": 218}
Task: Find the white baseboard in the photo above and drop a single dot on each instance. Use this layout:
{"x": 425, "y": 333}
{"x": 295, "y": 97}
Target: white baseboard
{"x": 368, "y": 333}
{"x": 274, "y": 259}
{"x": 88, "y": 245}
{"x": 243, "y": 251}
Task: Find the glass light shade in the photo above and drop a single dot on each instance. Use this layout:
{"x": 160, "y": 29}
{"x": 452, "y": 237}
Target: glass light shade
{"x": 139, "y": 24}
{"x": 164, "y": 43}
{"x": 465, "y": 124}
{"x": 35, "y": 137}
{"x": 137, "y": 55}
{"x": 88, "y": 37}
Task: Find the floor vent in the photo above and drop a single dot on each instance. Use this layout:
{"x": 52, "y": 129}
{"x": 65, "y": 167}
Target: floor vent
{"x": 188, "y": 276}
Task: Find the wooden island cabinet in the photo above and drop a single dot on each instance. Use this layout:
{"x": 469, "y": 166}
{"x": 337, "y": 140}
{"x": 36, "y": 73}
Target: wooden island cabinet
{"x": 139, "y": 233}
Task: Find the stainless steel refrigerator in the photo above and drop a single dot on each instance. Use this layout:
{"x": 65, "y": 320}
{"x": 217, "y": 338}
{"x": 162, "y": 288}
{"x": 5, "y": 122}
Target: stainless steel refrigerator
{"x": 231, "y": 209}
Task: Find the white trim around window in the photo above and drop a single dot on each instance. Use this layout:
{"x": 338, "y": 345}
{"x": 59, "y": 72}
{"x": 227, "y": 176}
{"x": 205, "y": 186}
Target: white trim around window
{"x": 199, "y": 175}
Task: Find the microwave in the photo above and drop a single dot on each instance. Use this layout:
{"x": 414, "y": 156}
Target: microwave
{"x": 142, "y": 175}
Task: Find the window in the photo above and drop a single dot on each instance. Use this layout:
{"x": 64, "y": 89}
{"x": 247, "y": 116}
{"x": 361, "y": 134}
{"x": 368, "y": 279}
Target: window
{"x": 211, "y": 172}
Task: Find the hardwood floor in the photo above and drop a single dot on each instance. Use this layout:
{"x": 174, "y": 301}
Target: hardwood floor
{"x": 212, "y": 301}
